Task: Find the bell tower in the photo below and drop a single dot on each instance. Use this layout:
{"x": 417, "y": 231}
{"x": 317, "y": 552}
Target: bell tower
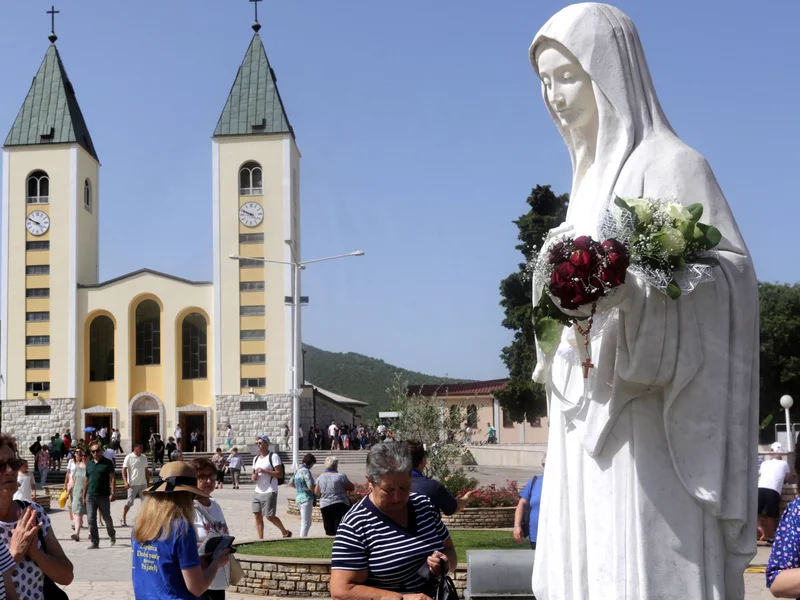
{"x": 255, "y": 189}
{"x": 49, "y": 247}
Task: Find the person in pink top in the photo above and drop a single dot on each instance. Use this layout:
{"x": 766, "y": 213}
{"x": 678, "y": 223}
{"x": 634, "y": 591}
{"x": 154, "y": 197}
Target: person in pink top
{"x": 43, "y": 462}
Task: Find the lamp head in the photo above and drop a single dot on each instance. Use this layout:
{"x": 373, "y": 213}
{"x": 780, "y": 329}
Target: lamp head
{"x": 357, "y": 253}
{"x": 787, "y": 401}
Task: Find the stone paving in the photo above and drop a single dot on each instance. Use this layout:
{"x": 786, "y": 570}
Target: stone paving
{"x": 107, "y": 572}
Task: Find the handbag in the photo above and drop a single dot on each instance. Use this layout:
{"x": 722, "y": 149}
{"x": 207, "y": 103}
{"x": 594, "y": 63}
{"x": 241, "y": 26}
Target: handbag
{"x": 444, "y": 588}
{"x": 49, "y": 588}
{"x": 237, "y": 573}
{"x": 62, "y": 499}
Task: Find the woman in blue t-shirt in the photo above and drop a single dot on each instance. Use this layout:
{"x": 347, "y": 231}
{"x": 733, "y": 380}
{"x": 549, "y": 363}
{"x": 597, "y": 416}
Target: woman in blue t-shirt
{"x": 166, "y": 563}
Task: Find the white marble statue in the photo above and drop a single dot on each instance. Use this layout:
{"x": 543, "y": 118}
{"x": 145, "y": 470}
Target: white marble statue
{"x": 651, "y": 478}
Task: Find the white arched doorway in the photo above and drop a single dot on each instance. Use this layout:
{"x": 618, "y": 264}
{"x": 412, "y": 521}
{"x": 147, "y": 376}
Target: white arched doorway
{"x": 145, "y": 410}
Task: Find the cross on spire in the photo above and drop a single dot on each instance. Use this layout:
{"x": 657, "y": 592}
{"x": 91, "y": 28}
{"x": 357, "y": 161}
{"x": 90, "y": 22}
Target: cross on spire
{"x": 53, "y": 12}
{"x": 256, "y": 24}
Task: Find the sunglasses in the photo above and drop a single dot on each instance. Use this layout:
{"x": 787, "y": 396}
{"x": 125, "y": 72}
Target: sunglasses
{"x": 14, "y": 463}
{"x": 96, "y": 451}
{"x": 206, "y": 477}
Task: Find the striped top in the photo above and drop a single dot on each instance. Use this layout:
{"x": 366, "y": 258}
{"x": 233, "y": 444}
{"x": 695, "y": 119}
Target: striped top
{"x": 6, "y": 564}
{"x": 368, "y": 540}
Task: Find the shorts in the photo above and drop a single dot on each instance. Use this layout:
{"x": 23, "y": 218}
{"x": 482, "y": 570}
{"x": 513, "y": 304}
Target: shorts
{"x": 135, "y": 491}
{"x": 55, "y": 456}
{"x": 768, "y": 502}
{"x": 266, "y": 504}
{"x": 220, "y": 476}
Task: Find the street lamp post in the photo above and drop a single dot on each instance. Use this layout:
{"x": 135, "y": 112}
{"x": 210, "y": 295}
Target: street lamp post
{"x": 297, "y": 385}
{"x": 786, "y": 402}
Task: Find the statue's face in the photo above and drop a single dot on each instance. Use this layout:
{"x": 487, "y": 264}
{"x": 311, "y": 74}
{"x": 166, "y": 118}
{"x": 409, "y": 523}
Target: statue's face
{"x": 568, "y": 87}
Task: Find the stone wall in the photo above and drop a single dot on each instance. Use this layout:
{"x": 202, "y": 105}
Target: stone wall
{"x": 482, "y": 518}
{"x": 469, "y": 518}
{"x": 27, "y": 427}
{"x": 297, "y": 577}
{"x": 247, "y": 425}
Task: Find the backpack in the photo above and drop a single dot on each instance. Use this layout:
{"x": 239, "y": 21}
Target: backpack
{"x": 282, "y": 477}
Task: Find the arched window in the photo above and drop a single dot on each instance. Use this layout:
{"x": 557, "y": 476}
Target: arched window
{"x": 87, "y": 195}
{"x": 472, "y": 416}
{"x": 101, "y": 349}
{"x": 195, "y": 347}
{"x": 251, "y": 179}
{"x": 148, "y": 333}
{"x": 38, "y": 188}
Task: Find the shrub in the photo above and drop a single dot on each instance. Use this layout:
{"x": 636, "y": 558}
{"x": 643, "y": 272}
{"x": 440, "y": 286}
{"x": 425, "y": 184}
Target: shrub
{"x": 492, "y": 496}
{"x": 457, "y": 482}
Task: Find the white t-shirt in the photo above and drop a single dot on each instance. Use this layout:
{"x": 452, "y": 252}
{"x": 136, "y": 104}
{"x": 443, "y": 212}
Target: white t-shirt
{"x": 772, "y": 473}
{"x": 203, "y": 529}
{"x": 381, "y": 429}
{"x": 24, "y": 491}
{"x": 136, "y": 466}
{"x": 265, "y": 483}
{"x": 332, "y": 430}
{"x": 178, "y": 433}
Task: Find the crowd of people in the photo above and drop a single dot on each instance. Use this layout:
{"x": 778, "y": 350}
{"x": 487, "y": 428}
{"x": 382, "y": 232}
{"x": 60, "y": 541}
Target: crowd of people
{"x": 174, "y": 534}
{"x": 341, "y": 436}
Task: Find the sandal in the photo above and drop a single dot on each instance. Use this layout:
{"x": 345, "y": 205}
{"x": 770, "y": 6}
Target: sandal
{"x": 288, "y": 534}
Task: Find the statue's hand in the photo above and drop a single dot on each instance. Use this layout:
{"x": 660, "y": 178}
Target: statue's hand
{"x": 540, "y": 373}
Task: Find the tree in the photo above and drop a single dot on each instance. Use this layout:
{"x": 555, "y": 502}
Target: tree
{"x": 426, "y": 419}
{"x": 522, "y": 399}
{"x": 779, "y": 306}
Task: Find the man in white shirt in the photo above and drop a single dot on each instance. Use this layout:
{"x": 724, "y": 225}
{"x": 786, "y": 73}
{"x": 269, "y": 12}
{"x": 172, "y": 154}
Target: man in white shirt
{"x": 772, "y": 474}
{"x": 266, "y": 469}
{"x": 136, "y": 477}
{"x": 178, "y": 435}
{"x": 333, "y": 433}
{"x": 382, "y": 432}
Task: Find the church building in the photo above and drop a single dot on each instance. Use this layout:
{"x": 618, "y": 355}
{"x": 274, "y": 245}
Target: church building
{"x": 148, "y": 349}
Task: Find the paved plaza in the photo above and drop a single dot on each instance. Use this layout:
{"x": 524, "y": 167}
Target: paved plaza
{"x": 107, "y": 572}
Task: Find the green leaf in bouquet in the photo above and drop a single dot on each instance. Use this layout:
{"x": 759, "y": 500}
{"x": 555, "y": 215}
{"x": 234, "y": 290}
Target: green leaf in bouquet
{"x": 622, "y": 204}
{"x": 674, "y": 290}
{"x": 547, "y": 331}
{"x": 711, "y": 235}
{"x": 696, "y": 211}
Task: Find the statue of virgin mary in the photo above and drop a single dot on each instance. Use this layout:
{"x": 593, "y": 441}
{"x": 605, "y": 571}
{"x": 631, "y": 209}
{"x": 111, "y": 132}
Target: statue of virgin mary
{"x": 651, "y": 480}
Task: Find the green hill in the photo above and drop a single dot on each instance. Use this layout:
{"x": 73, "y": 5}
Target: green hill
{"x": 359, "y": 377}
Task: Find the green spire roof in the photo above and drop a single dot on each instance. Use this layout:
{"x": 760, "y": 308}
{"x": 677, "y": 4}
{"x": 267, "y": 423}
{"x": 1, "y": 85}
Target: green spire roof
{"x": 254, "y": 106}
{"x": 50, "y": 113}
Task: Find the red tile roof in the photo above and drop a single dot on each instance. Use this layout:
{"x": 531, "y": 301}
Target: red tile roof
{"x": 473, "y": 388}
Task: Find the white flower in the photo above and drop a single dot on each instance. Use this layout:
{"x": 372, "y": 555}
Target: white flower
{"x": 672, "y": 241}
{"x": 678, "y": 212}
{"x": 643, "y": 209}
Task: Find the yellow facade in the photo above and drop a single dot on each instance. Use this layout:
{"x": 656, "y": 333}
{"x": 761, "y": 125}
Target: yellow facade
{"x": 69, "y": 338}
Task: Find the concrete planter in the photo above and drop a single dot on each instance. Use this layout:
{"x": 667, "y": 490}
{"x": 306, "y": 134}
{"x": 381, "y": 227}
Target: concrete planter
{"x": 54, "y": 492}
{"x": 292, "y": 509}
{"x": 297, "y": 577}
{"x": 482, "y": 518}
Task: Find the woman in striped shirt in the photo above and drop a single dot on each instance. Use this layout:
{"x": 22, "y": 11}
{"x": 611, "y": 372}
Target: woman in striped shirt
{"x": 389, "y": 544}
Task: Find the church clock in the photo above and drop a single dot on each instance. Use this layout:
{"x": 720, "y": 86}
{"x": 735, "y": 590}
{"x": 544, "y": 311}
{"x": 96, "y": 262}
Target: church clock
{"x": 251, "y": 214}
{"x": 37, "y": 223}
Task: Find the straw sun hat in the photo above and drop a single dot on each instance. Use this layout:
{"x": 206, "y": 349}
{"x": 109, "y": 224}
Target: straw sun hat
{"x": 176, "y": 477}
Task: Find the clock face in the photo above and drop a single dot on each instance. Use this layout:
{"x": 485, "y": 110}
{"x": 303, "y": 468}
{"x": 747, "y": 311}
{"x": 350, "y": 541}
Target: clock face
{"x": 251, "y": 214}
{"x": 37, "y": 223}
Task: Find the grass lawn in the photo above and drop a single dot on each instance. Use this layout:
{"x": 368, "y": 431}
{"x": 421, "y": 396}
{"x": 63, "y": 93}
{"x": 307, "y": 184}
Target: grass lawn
{"x": 464, "y": 539}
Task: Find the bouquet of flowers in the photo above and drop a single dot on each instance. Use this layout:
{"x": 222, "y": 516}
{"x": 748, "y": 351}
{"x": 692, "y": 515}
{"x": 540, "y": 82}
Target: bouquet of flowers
{"x": 580, "y": 271}
{"x": 669, "y": 247}
{"x": 660, "y": 241}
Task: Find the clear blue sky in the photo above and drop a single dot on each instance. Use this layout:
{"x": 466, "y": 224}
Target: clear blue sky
{"x": 422, "y": 131}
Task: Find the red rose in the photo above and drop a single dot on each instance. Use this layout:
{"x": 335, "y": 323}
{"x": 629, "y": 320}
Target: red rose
{"x": 580, "y": 258}
{"x": 565, "y": 270}
{"x": 583, "y": 242}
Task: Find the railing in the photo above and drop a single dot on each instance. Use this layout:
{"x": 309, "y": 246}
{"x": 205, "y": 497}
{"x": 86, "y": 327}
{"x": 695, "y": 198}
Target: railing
{"x": 255, "y": 191}
{"x": 38, "y": 199}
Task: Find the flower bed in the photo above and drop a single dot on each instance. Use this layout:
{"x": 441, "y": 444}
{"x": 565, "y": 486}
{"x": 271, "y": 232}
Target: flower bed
{"x": 482, "y": 518}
